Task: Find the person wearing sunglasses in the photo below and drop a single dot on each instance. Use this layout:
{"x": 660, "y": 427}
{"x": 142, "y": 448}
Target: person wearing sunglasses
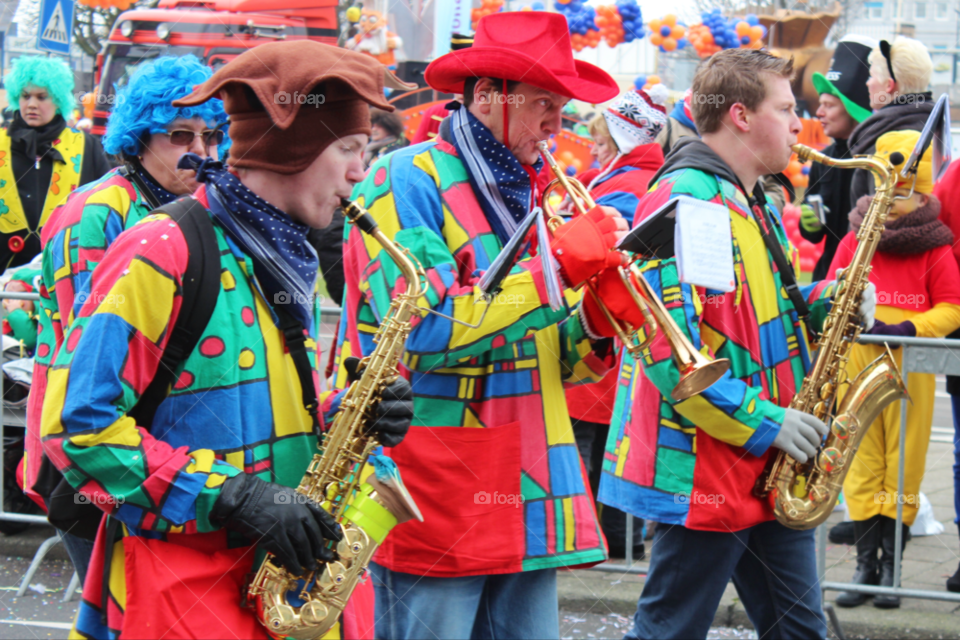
{"x": 149, "y": 135}
{"x": 898, "y": 85}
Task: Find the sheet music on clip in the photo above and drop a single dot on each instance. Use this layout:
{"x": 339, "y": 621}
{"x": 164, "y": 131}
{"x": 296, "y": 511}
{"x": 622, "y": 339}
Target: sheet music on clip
{"x": 492, "y": 278}
{"x": 702, "y": 243}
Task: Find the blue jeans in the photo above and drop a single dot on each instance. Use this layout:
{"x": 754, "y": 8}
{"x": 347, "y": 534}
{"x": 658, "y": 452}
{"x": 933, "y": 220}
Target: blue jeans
{"x": 955, "y": 401}
{"x": 773, "y": 568}
{"x": 79, "y": 550}
{"x": 511, "y": 605}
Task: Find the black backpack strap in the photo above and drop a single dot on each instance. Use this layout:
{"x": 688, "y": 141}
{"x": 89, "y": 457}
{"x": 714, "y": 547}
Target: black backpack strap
{"x": 296, "y": 343}
{"x": 201, "y": 284}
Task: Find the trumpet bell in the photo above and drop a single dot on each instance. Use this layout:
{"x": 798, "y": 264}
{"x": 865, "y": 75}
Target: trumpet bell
{"x": 698, "y": 376}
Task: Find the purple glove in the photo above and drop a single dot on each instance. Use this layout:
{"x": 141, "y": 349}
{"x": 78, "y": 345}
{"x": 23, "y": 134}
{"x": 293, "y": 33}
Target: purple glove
{"x": 905, "y": 329}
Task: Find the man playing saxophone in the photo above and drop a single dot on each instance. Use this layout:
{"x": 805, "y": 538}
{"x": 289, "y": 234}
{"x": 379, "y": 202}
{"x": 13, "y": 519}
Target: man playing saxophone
{"x": 692, "y": 465}
{"x": 201, "y": 487}
{"x": 491, "y": 459}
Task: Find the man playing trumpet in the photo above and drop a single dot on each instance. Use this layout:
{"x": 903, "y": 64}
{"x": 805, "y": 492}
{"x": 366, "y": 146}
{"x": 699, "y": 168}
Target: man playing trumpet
{"x": 505, "y": 501}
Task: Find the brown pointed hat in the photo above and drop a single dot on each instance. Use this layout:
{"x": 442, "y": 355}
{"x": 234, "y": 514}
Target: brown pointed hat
{"x": 288, "y": 101}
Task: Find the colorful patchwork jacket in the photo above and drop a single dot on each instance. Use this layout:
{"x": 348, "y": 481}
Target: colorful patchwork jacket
{"x": 74, "y": 241}
{"x": 695, "y": 462}
{"x": 491, "y": 458}
{"x": 236, "y": 406}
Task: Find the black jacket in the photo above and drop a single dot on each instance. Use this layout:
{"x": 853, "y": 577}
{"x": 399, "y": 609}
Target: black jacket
{"x": 833, "y": 185}
{"x": 908, "y": 113}
{"x": 32, "y": 185}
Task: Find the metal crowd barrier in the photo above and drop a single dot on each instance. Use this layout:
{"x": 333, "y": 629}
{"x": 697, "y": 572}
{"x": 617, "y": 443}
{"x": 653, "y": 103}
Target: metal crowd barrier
{"x": 329, "y": 316}
{"x": 920, "y": 355}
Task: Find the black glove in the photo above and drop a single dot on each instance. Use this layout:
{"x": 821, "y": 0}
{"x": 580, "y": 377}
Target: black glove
{"x": 285, "y": 523}
{"x": 395, "y": 411}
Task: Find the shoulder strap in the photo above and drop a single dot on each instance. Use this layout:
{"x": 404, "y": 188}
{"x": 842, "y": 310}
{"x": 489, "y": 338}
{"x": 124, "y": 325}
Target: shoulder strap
{"x": 201, "y": 284}
{"x": 296, "y": 343}
{"x": 787, "y": 276}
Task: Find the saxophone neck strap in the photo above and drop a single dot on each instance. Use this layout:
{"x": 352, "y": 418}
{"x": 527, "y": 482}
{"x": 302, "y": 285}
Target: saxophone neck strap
{"x": 787, "y": 276}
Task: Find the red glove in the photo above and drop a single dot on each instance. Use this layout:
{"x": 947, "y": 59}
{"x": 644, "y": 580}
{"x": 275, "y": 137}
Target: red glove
{"x": 582, "y": 246}
{"x": 615, "y": 296}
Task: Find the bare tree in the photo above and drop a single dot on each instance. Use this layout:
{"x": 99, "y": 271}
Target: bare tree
{"x": 92, "y": 25}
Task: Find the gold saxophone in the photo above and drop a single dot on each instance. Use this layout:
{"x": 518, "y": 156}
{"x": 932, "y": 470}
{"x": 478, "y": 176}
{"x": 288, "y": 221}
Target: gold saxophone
{"x": 365, "y": 511}
{"x": 804, "y": 494}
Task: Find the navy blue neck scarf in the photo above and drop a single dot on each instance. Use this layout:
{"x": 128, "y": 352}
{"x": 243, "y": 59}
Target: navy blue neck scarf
{"x": 500, "y": 182}
{"x": 161, "y": 195}
{"x": 284, "y": 262}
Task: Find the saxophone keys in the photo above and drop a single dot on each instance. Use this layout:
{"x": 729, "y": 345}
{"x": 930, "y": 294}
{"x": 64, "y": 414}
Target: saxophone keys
{"x": 351, "y": 545}
{"x": 333, "y": 578}
{"x": 313, "y": 613}
{"x": 826, "y": 391}
{"x": 818, "y": 494}
{"x": 830, "y": 461}
{"x": 280, "y": 616}
{"x": 820, "y": 409}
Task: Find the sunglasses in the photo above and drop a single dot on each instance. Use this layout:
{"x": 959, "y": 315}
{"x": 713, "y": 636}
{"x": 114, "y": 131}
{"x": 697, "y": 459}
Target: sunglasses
{"x": 885, "y": 49}
{"x": 184, "y": 138}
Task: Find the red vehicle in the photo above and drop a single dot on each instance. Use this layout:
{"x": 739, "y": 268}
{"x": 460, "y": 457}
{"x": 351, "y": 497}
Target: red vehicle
{"x": 216, "y": 31}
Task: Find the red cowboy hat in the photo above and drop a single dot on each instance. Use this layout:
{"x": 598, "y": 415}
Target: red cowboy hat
{"x": 528, "y": 46}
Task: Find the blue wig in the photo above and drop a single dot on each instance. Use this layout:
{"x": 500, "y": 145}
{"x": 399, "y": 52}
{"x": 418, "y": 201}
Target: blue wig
{"x": 51, "y": 74}
{"x": 144, "y": 105}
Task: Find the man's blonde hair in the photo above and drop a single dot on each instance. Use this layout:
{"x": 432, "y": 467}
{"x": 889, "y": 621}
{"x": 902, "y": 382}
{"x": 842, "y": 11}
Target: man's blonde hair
{"x": 598, "y": 128}
{"x": 911, "y": 64}
{"x": 732, "y": 76}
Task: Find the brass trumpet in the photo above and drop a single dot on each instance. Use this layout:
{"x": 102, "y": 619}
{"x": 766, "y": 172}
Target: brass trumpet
{"x": 697, "y": 372}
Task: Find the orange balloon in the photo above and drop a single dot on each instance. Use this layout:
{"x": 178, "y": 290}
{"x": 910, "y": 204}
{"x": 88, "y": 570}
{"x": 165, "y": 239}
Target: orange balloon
{"x": 756, "y": 33}
{"x": 669, "y": 44}
{"x": 654, "y": 79}
{"x": 670, "y": 20}
{"x": 655, "y": 26}
{"x": 708, "y": 37}
{"x": 743, "y": 28}
{"x": 678, "y": 32}
{"x": 656, "y": 39}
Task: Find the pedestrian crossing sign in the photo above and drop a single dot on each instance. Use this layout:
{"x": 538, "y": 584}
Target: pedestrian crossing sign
{"x": 55, "y": 29}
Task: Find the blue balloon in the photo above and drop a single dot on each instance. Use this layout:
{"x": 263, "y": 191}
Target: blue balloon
{"x": 571, "y": 170}
{"x": 665, "y": 31}
{"x": 752, "y": 19}
{"x": 537, "y": 6}
{"x": 639, "y": 81}
{"x": 744, "y": 40}
{"x": 682, "y": 42}
{"x": 764, "y": 31}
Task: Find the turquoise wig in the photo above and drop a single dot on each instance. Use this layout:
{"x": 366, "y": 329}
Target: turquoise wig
{"x": 51, "y": 74}
{"x": 144, "y": 105}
